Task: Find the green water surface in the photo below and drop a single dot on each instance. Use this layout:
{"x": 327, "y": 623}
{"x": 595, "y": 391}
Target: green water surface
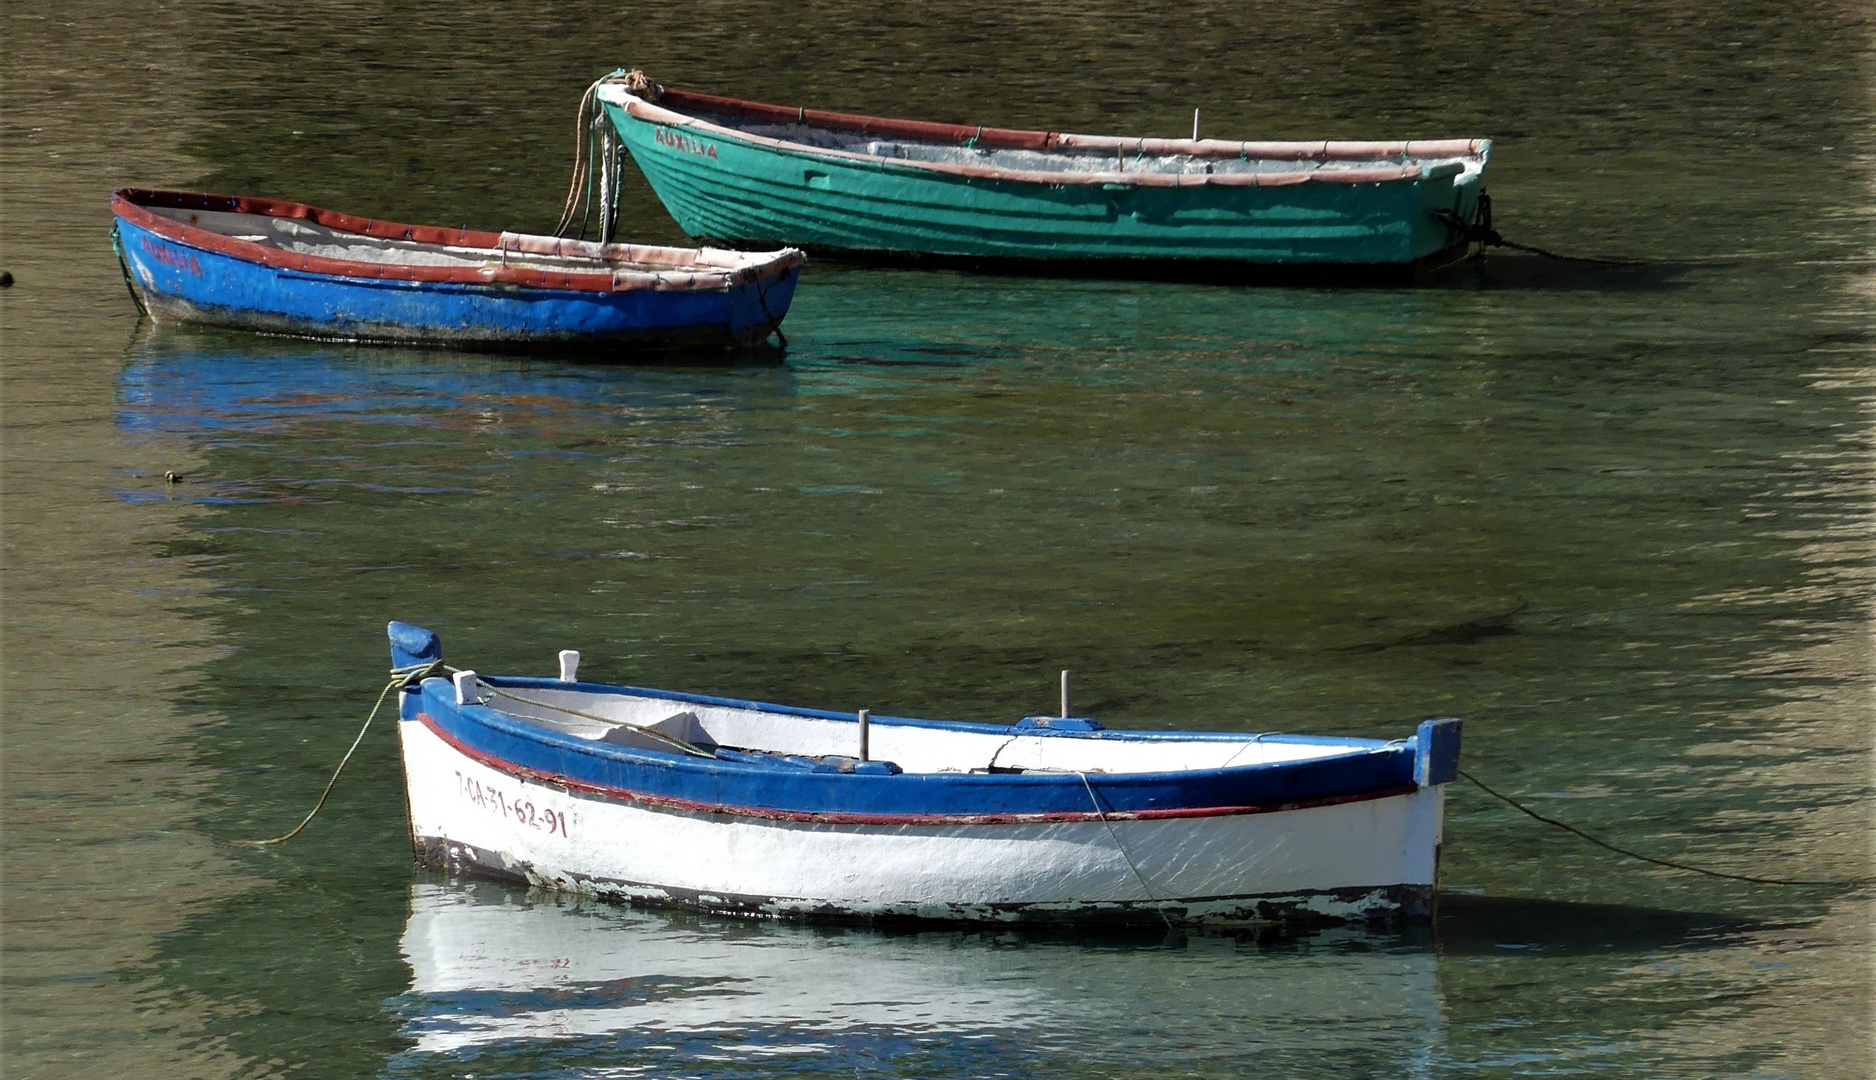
{"x": 1618, "y": 519}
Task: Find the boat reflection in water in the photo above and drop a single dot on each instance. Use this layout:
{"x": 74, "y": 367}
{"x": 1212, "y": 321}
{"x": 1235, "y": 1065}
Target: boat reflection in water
{"x": 518, "y": 980}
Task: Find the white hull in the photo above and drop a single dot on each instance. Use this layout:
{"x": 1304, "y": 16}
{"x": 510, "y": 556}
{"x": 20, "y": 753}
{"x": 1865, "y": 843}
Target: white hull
{"x": 1368, "y": 859}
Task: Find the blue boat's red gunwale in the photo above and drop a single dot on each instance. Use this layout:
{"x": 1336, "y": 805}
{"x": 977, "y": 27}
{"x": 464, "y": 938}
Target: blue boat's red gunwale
{"x": 130, "y": 204}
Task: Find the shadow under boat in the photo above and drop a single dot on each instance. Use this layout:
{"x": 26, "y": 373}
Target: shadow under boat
{"x": 1518, "y": 272}
{"x": 1497, "y": 271}
{"x": 1181, "y": 271}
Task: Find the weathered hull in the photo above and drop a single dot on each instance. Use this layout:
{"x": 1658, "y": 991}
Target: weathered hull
{"x": 183, "y": 282}
{"x": 1360, "y": 859}
{"x": 730, "y": 188}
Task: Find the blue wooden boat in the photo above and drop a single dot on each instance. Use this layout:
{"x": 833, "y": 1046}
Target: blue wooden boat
{"x": 747, "y": 172}
{"x": 745, "y": 807}
{"x": 286, "y": 268}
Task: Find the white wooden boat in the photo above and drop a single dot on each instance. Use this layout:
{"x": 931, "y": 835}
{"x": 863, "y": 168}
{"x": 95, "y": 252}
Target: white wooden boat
{"x": 744, "y": 807}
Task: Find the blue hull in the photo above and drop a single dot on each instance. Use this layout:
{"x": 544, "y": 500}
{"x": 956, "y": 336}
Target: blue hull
{"x": 184, "y": 282}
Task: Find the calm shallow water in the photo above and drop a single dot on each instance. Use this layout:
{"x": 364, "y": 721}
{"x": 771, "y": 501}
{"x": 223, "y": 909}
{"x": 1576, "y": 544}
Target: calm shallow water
{"x": 1618, "y": 520}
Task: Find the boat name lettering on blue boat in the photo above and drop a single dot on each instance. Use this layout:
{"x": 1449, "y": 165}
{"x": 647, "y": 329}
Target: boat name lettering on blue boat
{"x": 523, "y": 811}
{"x": 181, "y": 260}
{"x": 677, "y": 140}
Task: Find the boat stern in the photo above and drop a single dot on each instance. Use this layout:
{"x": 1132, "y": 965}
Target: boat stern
{"x": 759, "y": 303}
{"x": 1436, "y": 752}
{"x": 1436, "y": 764}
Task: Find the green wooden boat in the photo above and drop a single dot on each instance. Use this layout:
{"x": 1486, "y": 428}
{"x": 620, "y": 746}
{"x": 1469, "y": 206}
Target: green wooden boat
{"x": 745, "y": 173}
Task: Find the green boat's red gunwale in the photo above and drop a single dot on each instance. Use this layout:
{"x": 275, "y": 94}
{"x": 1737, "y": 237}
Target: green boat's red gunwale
{"x": 132, "y": 204}
{"x": 1392, "y": 160}
{"x": 989, "y": 137}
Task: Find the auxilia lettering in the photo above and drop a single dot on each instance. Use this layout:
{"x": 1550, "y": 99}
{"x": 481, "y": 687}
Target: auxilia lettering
{"x": 181, "y": 260}
{"x": 677, "y": 140}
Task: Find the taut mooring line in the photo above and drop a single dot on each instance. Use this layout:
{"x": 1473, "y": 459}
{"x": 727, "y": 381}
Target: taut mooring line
{"x": 1479, "y": 231}
{"x": 1669, "y": 863}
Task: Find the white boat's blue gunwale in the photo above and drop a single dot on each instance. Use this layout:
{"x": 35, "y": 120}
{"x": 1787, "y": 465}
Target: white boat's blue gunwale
{"x": 758, "y": 773}
{"x": 1363, "y": 769}
{"x": 1359, "y": 768}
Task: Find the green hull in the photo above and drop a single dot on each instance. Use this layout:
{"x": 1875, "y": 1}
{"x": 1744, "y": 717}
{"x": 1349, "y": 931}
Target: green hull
{"x": 720, "y": 185}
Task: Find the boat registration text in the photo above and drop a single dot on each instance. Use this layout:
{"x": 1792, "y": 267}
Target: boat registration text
{"x": 523, "y": 811}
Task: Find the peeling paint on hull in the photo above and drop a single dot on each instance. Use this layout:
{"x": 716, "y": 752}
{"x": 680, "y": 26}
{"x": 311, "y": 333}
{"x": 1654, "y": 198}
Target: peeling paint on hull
{"x": 1379, "y": 905}
{"x": 624, "y": 339}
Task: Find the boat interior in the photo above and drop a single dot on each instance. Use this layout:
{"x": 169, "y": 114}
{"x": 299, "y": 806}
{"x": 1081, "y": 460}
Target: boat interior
{"x": 521, "y": 251}
{"x": 1096, "y": 154}
{"x": 832, "y": 744}
{"x": 1110, "y": 157}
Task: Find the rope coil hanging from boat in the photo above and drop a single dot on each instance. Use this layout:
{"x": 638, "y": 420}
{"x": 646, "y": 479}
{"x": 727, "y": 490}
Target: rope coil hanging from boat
{"x": 594, "y": 138}
{"x": 639, "y": 85}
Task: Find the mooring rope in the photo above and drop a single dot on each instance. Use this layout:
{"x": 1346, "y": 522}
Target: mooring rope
{"x": 404, "y": 676}
{"x": 1669, "y": 863}
{"x": 117, "y": 245}
{"x": 1122, "y": 848}
{"x": 775, "y": 324}
{"x": 594, "y": 137}
{"x": 586, "y": 207}
{"x": 400, "y": 678}
{"x": 581, "y": 138}
{"x": 1479, "y": 231}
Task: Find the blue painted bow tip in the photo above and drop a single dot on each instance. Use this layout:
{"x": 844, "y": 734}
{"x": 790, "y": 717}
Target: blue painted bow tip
{"x": 413, "y": 646}
{"x": 1436, "y": 760}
